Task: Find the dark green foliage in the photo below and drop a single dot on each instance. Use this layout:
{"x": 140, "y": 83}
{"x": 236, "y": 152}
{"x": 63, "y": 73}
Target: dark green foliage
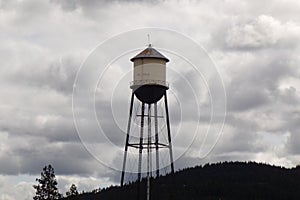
{"x": 46, "y": 189}
{"x": 72, "y": 191}
{"x": 226, "y": 181}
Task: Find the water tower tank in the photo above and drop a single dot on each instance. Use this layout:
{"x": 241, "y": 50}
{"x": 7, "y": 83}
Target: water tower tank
{"x": 149, "y": 75}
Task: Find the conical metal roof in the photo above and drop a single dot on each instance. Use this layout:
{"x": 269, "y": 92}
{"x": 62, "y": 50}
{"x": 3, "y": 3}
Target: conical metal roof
{"x": 150, "y": 53}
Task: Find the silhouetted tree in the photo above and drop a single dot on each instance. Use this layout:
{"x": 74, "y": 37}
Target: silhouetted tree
{"x": 46, "y": 189}
{"x": 72, "y": 191}
{"x": 97, "y": 190}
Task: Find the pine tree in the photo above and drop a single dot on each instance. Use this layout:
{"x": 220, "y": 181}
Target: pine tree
{"x": 73, "y": 191}
{"x": 46, "y": 189}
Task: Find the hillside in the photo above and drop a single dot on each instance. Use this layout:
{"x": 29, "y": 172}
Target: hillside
{"x": 229, "y": 180}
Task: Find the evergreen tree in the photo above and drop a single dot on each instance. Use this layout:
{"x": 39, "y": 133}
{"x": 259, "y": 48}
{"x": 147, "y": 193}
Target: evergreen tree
{"x": 46, "y": 189}
{"x": 73, "y": 191}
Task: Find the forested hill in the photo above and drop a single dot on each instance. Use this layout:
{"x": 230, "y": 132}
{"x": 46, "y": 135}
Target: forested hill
{"x": 229, "y": 180}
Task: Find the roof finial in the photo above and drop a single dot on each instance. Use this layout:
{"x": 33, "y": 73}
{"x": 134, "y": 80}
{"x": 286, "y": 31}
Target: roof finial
{"x": 149, "y": 44}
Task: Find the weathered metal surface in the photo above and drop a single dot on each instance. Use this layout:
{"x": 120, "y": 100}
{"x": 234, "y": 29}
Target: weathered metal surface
{"x": 150, "y": 53}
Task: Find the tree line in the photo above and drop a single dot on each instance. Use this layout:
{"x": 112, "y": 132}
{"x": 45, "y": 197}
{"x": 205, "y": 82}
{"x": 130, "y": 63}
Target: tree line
{"x": 46, "y": 188}
{"x": 226, "y": 181}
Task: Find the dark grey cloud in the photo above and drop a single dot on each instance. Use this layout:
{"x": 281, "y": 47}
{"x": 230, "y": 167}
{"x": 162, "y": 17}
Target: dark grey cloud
{"x": 29, "y": 155}
{"x": 57, "y": 75}
{"x": 53, "y": 127}
{"x": 71, "y": 5}
{"x": 292, "y": 128}
{"x": 256, "y": 82}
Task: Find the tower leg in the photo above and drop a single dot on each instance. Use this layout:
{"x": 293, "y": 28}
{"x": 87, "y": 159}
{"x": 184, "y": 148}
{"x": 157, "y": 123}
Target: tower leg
{"x": 141, "y": 149}
{"x": 127, "y": 140}
{"x": 169, "y": 133}
{"x": 149, "y": 166}
{"x": 156, "y": 139}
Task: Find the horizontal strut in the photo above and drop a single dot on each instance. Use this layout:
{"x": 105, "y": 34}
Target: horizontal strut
{"x": 146, "y": 146}
{"x": 151, "y": 116}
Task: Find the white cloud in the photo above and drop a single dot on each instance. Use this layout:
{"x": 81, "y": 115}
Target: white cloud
{"x": 12, "y": 187}
{"x": 262, "y": 32}
{"x": 82, "y": 183}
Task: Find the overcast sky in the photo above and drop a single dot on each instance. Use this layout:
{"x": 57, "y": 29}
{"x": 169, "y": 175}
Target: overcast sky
{"x": 255, "y": 46}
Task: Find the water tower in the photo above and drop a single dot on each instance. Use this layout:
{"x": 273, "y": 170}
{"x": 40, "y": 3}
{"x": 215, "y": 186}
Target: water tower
{"x": 149, "y": 86}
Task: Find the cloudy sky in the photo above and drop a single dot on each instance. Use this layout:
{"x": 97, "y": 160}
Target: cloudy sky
{"x": 254, "y": 46}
